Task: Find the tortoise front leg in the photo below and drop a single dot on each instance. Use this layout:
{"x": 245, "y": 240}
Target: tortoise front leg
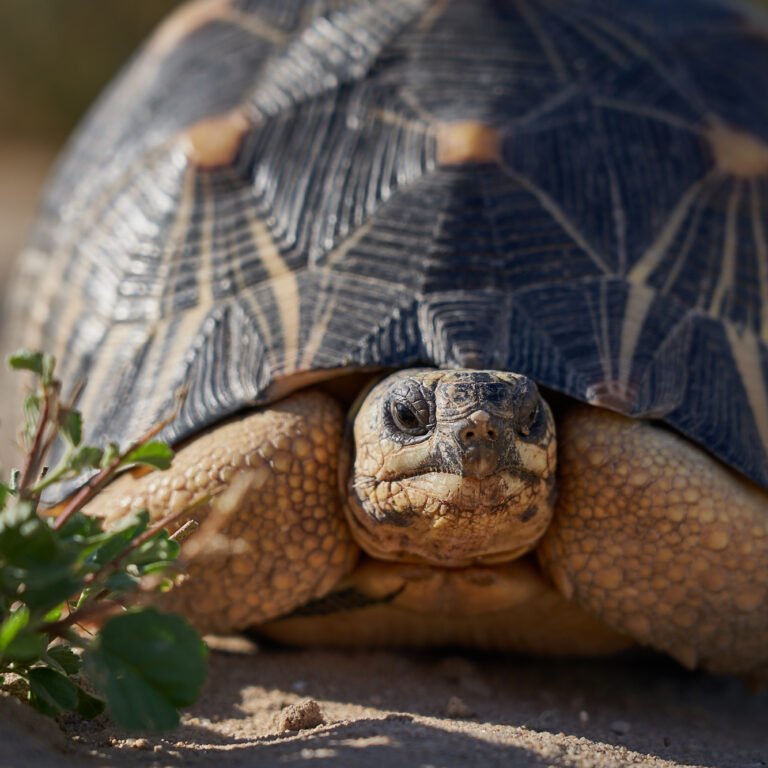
{"x": 274, "y": 535}
{"x": 661, "y": 541}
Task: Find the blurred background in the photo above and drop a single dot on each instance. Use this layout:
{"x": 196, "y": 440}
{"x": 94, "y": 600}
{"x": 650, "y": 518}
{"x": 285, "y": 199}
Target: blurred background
{"x": 55, "y": 57}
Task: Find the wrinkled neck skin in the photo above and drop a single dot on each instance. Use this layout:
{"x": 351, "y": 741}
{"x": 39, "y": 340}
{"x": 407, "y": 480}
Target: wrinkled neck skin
{"x": 451, "y": 468}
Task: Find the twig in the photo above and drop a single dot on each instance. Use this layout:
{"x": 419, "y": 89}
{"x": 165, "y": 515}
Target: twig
{"x": 88, "y": 608}
{"x": 152, "y": 531}
{"x": 99, "y": 480}
{"x": 87, "y": 613}
{"x": 185, "y": 531}
{"x": 34, "y": 455}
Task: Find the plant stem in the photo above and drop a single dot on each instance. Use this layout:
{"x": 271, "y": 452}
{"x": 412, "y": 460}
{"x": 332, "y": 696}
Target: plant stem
{"x": 90, "y": 612}
{"x": 34, "y": 455}
{"x": 99, "y": 480}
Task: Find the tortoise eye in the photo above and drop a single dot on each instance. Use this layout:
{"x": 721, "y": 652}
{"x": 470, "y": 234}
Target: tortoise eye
{"x": 406, "y": 419}
{"x": 527, "y": 418}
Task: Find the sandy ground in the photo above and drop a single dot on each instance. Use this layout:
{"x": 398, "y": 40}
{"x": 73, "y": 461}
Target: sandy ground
{"x": 400, "y": 709}
{"x": 437, "y": 709}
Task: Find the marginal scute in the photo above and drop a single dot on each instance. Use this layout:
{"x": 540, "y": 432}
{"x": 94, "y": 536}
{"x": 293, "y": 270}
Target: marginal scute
{"x": 215, "y": 141}
{"x": 185, "y": 21}
{"x": 737, "y": 152}
{"x": 613, "y": 395}
{"x": 465, "y": 142}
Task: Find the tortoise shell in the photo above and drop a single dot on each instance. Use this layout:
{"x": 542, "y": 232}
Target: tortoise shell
{"x": 276, "y": 190}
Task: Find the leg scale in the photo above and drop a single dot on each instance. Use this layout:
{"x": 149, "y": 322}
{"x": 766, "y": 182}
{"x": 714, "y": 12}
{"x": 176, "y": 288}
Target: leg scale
{"x": 273, "y": 535}
{"x": 661, "y": 541}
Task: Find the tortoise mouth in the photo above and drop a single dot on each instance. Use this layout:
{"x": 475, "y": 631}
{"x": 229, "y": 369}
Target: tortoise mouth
{"x": 495, "y": 494}
{"x": 447, "y": 520}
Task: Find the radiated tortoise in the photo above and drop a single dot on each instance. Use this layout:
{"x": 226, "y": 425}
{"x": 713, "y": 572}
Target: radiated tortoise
{"x": 429, "y": 219}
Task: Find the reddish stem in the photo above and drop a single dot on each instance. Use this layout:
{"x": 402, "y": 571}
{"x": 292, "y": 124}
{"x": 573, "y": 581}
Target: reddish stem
{"x": 97, "y": 482}
{"x": 34, "y": 455}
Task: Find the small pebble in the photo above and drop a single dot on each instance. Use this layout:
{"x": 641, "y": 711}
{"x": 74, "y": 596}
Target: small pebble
{"x": 138, "y": 743}
{"x": 621, "y": 727}
{"x": 398, "y": 717}
{"x": 458, "y": 708}
{"x": 302, "y": 714}
{"x": 321, "y": 753}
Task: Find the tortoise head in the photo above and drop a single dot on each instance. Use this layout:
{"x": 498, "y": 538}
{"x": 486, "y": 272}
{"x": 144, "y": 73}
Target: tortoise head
{"x": 452, "y": 467}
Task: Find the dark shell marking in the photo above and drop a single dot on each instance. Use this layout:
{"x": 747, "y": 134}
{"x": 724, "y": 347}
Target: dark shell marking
{"x": 573, "y": 189}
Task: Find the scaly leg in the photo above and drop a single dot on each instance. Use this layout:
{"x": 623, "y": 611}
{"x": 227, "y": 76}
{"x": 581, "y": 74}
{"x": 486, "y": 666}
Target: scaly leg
{"x": 274, "y": 535}
{"x": 660, "y": 541}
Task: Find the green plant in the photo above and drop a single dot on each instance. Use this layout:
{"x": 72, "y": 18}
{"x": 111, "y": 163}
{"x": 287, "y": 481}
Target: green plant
{"x": 65, "y": 634}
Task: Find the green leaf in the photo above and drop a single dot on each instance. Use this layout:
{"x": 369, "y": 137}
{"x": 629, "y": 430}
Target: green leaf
{"x": 49, "y": 363}
{"x": 64, "y": 657}
{"x": 158, "y": 550}
{"x": 152, "y": 454}
{"x": 147, "y": 664}
{"x": 25, "y": 647}
{"x": 117, "y": 540}
{"x": 82, "y": 529}
{"x": 71, "y": 427}
{"x": 54, "y": 614}
{"x": 158, "y": 567}
{"x": 32, "y": 407}
{"x": 166, "y": 585}
{"x": 24, "y": 538}
{"x": 111, "y": 452}
{"x": 51, "y": 692}
{"x": 86, "y": 457}
{"x": 5, "y": 492}
{"x": 11, "y": 627}
{"x": 121, "y": 582}
{"x": 48, "y": 589}
{"x": 13, "y": 484}
{"x": 26, "y": 360}
{"x": 35, "y": 560}
{"x": 88, "y": 706}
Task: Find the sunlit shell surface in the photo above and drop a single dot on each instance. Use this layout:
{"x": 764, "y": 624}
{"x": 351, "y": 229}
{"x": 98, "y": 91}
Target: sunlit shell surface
{"x": 573, "y": 189}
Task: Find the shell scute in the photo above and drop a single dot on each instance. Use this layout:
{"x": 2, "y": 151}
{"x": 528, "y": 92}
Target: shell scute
{"x": 596, "y": 233}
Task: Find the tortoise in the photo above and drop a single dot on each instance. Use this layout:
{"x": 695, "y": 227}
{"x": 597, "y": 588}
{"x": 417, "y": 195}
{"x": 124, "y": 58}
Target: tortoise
{"x": 470, "y": 303}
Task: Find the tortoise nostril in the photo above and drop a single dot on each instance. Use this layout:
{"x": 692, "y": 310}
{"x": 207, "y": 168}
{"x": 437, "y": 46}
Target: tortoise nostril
{"x": 478, "y": 427}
